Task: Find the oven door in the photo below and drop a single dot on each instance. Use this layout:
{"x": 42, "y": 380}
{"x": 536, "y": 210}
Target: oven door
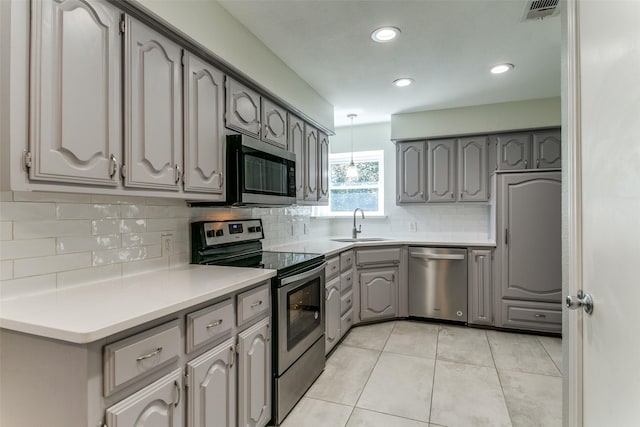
{"x": 300, "y": 315}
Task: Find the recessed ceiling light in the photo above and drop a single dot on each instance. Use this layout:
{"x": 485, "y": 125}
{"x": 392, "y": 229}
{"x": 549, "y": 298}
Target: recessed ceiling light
{"x": 402, "y": 82}
{"x": 385, "y": 34}
{"x": 501, "y": 68}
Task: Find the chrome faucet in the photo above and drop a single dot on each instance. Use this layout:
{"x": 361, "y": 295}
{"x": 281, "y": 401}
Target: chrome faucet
{"x": 355, "y": 230}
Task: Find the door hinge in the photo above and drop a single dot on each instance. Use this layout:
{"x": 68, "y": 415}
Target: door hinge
{"x": 28, "y": 159}
{"x": 122, "y": 26}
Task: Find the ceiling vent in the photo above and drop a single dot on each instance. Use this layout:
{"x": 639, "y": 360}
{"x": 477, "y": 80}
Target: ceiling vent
{"x": 539, "y": 9}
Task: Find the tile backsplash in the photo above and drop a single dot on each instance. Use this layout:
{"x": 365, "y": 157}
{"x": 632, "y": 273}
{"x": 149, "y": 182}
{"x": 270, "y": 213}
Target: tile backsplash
{"x": 54, "y": 240}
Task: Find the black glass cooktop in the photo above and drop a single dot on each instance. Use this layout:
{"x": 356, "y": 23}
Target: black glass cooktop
{"x": 284, "y": 262}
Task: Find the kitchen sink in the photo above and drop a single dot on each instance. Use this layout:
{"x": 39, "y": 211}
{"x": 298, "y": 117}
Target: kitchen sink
{"x": 360, "y": 239}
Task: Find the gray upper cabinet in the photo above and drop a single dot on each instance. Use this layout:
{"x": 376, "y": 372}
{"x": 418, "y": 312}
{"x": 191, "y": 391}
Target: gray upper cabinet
{"x": 242, "y": 108}
{"x": 513, "y": 151}
{"x": 411, "y": 174}
{"x": 323, "y": 159}
{"x": 153, "y": 109}
{"x": 529, "y": 230}
{"x": 547, "y": 149}
{"x": 473, "y": 178}
{"x": 75, "y": 134}
{"x": 441, "y": 163}
{"x": 274, "y": 124}
{"x": 296, "y": 146}
{"x": 203, "y": 126}
{"x": 310, "y": 158}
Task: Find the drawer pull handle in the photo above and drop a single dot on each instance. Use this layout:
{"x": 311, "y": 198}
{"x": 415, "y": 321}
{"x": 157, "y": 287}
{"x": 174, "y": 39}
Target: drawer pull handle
{"x": 177, "y": 386}
{"x": 540, "y": 316}
{"x": 255, "y": 304}
{"x": 214, "y": 324}
{"x": 147, "y": 356}
{"x": 349, "y": 319}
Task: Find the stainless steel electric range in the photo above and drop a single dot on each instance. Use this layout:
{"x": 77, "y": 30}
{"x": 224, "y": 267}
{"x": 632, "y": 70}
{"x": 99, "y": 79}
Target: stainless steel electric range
{"x": 297, "y": 294}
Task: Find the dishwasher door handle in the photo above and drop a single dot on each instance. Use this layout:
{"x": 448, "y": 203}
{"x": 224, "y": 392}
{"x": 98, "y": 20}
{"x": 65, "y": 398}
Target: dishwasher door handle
{"x": 437, "y": 256}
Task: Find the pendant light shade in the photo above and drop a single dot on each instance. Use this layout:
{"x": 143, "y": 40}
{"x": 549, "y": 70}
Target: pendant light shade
{"x": 352, "y": 169}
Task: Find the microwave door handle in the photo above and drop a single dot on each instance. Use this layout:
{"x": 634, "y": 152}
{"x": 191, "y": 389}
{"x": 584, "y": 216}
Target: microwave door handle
{"x": 302, "y": 276}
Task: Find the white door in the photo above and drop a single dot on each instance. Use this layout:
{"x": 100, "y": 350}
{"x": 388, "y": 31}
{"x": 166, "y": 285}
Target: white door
{"x": 603, "y": 347}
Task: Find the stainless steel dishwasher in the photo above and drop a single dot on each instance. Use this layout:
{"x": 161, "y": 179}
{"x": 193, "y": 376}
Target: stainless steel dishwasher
{"x": 438, "y": 283}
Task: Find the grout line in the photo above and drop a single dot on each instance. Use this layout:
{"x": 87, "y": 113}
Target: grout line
{"x": 396, "y": 416}
{"x": 433, "y": 379}
{"x": 504, "y": 397}
{"x": 549, "y": 354}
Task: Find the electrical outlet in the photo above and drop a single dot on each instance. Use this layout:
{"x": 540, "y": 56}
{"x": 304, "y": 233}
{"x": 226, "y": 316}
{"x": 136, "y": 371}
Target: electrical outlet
{"x": 413, "y": 226}
{"x": 306, "y": 228}
{"x": 166, "y": 244}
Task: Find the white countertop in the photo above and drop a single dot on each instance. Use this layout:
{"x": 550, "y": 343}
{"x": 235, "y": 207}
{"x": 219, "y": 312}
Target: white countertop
{"x": 329, "y": 247}
{"x": 88, "y": 313}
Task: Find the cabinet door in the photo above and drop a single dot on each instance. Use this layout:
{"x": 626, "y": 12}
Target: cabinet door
{"x": 547, "y": 149}
{"x": 153, "y": 109}
{"x": 243, "y": 109}
{"x": 378, "y": 291}
{"x": 529, "y": 236}
{"x": 296, "y": 146}
{"x": 513, "y": 150}
{"x": 204, "y": 128}
{"x": 481, "y": 286}
{"x": 212, "y": 388}
{"x": 411, "y": 175}
{"x": 332, "y": 310}
{"x": 441, "y": 166}
{"x": 473, "y": 178}
{"x": 254, "y": 375}
{"x": 274, "y": 124}
{"x": 311, "y": 163}
{"x": 323, "y": 164}
{"x": 75, "y": 92}
{"x": 159, "y": 404}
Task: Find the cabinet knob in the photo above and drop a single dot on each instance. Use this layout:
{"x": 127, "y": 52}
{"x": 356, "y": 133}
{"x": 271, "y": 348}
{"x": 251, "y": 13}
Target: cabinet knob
{"x": 537, "y": 163}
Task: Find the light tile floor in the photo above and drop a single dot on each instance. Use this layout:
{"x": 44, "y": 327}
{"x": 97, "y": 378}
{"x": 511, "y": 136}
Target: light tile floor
{"x": 417, "y": 374}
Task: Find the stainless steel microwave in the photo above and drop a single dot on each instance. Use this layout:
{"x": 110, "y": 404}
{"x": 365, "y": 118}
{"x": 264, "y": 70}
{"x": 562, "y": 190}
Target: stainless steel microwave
{"x": 257, "y": 174}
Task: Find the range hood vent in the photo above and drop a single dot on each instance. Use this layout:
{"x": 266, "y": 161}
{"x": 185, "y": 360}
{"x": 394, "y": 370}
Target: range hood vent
{"x": 538, "y": 9}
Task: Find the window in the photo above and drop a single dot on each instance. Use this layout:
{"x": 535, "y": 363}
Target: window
{"x": 365, "y": 192}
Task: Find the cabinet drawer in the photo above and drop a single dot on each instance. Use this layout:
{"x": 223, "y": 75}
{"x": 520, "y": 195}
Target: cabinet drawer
{"x": 253, "y": 303}
{"x": 346, "y": 302}
{"x": 346, "y": 260}
{"x": 333, "y": 267}
{"x": 140, "y": 355}
{"x": 346, "y": 281}
{"x": 378, "y": 256}
{"x": 209, "y": 324}
{"x": 346, "y": 322}
{"x": 537, "y": 316}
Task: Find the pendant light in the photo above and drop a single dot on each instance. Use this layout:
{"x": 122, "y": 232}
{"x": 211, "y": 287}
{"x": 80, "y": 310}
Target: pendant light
{"x": 352, "y": 170}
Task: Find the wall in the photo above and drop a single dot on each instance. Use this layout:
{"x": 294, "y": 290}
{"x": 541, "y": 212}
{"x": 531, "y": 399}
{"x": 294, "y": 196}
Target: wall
{"x": 505, "y": 116}
{"x": 214, "y": 28}
{"x": 50, "y": 240}
{"x": 448, "y": 218}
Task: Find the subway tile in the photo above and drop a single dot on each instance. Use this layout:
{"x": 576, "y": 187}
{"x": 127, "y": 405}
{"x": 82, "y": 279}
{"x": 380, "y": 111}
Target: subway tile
{"x": 6, "y": 230}
{"x": 6, "y": 270}
{"x": 16, "y": 249}
{"x": 51, "y": 264}
{"x": 141, "y": 239}
{"x": 144, "y": 266}
{"x": 165, "y": 224}
{"x": 132, "y": 211}
{"x": 114, "y": 256}
{"x": 39, "y": 229}
{"x": 27, "y": 285}
{"x": 119, "y": 199}
{"x": 89, "y": 275}
{"x": 26, "y": 211}
{"x": 133, "y": 225}
{"x": 41, "y": 196}
{"x": 156, "y": 211}
{"x": 87, "y": 243}
{"x": 6, "y": 196}
{"x": 105, "y": 226}
{"x": 87, "y": 211}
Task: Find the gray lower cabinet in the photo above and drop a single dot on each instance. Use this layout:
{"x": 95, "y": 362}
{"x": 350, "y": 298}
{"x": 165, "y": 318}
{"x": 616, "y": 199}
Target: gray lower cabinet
{"x": 528, "y": 252}
{"x": 332, "y": 313}
{"x": 254, "y": 375}
{"x": 378, "y": 293}
{"x": 158, "y": 404}
{"x": 480, "y": 270}
{"x": 411, "y": 173}
{"x": 211, "y": 387}
{"x": 441, "y": 164}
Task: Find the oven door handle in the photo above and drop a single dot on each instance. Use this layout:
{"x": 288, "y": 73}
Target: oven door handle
{"x": 303, "y": 276}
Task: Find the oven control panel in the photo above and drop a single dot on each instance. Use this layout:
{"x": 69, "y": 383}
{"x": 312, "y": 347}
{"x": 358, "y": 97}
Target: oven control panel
{"x": 222, "y": 232}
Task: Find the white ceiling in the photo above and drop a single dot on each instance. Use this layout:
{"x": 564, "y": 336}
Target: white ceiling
{"x": 447, "y": 46}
